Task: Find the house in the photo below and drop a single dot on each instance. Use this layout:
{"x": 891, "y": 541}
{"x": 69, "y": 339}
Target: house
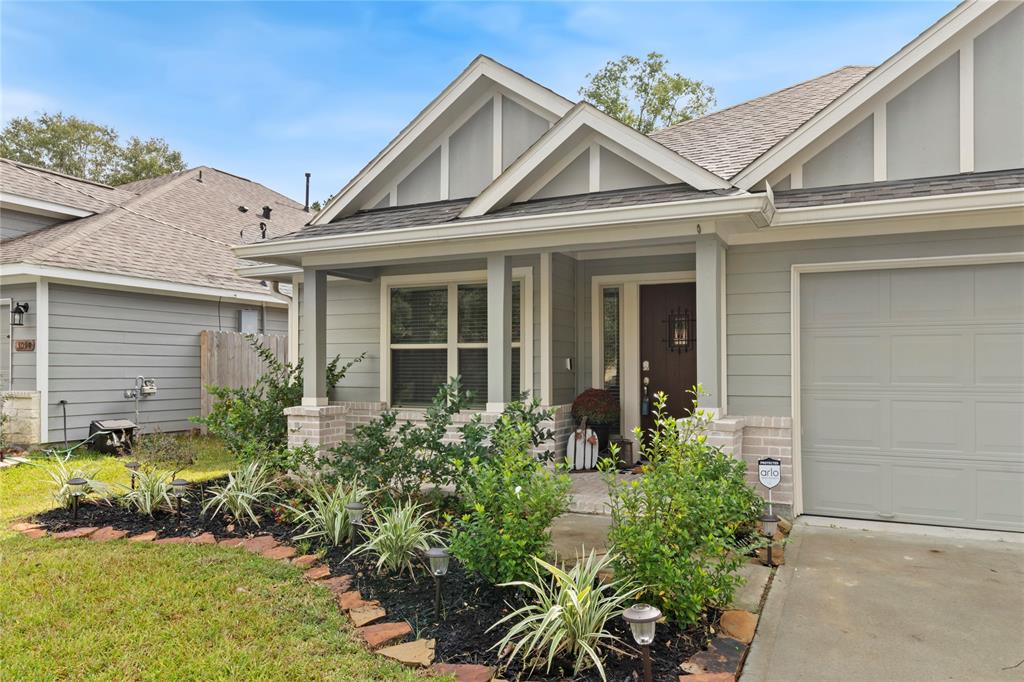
{"x": 115, "y": 283}
{"x": 840, "y": 264}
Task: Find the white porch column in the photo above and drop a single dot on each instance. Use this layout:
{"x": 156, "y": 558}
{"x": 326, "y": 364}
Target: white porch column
{"x": 314, "y": 350}
{"x": 499, "y": 332}
{"x": 710, "y": 304}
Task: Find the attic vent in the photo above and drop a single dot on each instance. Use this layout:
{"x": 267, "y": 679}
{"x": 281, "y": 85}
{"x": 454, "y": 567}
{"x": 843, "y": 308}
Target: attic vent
{"x": 266, "y": 213}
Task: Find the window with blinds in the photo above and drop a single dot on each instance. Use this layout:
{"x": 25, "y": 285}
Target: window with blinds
{"x": 422, "y": 354}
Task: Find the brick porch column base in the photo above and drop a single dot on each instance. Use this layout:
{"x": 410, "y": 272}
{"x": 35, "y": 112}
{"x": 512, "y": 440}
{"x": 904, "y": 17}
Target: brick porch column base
{"x": 323, "y": 427}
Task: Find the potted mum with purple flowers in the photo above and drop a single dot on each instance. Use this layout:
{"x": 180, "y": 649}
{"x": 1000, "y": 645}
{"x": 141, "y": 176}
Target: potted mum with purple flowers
{"x": 601, "y": 410}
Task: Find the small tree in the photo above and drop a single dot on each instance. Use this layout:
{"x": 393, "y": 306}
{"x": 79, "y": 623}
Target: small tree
{"x": 643, "y": 95}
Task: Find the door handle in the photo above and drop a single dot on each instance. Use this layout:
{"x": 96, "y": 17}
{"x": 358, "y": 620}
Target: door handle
{"x": 886, "y": 516}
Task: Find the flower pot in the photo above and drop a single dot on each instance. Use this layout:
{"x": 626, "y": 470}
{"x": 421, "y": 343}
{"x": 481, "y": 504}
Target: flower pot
{"x": 603, "y": 432}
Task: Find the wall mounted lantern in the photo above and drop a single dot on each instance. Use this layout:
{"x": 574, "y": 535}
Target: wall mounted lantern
{"x": 680, "y": 329}
{"x": 18, "y": 311}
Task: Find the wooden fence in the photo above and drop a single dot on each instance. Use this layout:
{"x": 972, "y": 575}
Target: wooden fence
{"x": 228, "y": 359}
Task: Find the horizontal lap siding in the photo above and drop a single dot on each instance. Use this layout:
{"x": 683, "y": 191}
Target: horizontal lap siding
{"x": 563, "y": 328}
{"x": 100, "y": 340}
{"x": 758, "y": 301}
{"x": 23, "y": 363}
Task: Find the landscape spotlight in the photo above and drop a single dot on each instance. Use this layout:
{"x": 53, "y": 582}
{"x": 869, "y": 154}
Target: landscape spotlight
{"x": 642, "y": 619}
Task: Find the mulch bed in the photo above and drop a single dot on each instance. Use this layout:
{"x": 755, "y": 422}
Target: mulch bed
{"x": 470, "y": 605}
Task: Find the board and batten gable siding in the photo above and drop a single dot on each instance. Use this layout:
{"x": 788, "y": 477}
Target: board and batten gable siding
{"x": 17, "y": 223}
{"x": 23, "y": 364}
{"x": 758, "y": 301}
{"x": 354, "y": 323}
{"x": 101, "y": 339}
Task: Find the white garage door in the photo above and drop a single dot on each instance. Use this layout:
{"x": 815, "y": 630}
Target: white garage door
{"x": 912, "y": 395}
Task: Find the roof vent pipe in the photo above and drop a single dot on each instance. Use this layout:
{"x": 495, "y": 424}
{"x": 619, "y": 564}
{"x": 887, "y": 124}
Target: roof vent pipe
{"x": 200, "y": 175}
{"x": 266, "y": 213}
{"x": 306, "y": 208}
{"x": 263, "y": 230}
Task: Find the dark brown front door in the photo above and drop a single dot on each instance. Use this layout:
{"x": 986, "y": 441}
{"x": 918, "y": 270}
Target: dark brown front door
{"x": 668, "y": 348}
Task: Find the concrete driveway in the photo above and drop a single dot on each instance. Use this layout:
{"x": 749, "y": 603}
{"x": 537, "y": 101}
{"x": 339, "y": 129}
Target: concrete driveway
{"x": 869, "y": 605}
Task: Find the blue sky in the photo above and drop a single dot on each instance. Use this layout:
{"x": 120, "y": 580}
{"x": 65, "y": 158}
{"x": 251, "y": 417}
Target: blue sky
{"x": 270, "y": 90}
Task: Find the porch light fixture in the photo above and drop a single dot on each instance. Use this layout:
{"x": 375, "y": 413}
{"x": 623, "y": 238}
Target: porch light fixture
{"x": 178, "y": 488}
{"x": 355, "y": 518}
{"x": 643, "y": 619}
{"x": 438, "y": 558}
{"x": 680, "y": 331}
{"x": 18, "y": 311}
{"x": 133, "y": 467}
{"x": 77, "y": 487}
{"x": 769, "y": 524}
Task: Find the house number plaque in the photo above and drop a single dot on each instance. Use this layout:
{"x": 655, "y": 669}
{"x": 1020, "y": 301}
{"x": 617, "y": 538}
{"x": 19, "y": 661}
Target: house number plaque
{"x": 25, "y": 345}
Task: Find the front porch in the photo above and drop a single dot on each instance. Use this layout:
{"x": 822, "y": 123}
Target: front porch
{"x": 546, "y": 325}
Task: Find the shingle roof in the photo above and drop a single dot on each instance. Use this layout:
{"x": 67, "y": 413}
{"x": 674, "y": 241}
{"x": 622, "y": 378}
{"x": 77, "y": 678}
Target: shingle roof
{"x": 45, "y": 185}
{"x": 727, "y": 141}
{"x": 179, "y": 230}
{"x": 439, "y": 212}
{"x": 901, "y": 189}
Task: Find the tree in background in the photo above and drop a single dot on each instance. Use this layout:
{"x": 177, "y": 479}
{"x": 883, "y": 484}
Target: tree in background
{"x": 643, "y": 95}
{"x": 74, "y": 146}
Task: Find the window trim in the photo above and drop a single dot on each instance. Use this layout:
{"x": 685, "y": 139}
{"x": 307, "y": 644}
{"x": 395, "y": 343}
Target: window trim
{"x": 452, "y": 280}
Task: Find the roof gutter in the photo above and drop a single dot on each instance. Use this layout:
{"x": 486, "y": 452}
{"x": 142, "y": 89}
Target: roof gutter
{"x": 757, "y": 207}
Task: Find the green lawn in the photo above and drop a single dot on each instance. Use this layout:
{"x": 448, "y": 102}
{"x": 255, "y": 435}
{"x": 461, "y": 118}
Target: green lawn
{"x": 78, "y": 609}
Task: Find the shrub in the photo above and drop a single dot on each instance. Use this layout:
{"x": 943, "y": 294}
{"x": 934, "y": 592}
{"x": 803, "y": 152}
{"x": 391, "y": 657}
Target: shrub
{"x": 162, "y": 449}
{"x": 398, "y": 536}
{"x": 404, "y": 458}
{"x": 326, "y": 516}
{"x": 568, "y": 616}
{"x": 246, "y": 491}
{"x": 511, "y": 499}
{"x": 675, "y": 527}
{"x": 152, "y": 492}
{"x": 60, "y": 473}
{"x": 597, "y": 405}
{"x": 251, "y": 420}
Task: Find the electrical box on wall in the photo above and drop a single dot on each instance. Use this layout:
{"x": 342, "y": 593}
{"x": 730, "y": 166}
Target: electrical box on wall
{"x": 249, "y": 321}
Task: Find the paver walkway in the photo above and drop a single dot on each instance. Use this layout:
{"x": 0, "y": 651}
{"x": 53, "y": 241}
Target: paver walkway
{"x": 869, "y": 605}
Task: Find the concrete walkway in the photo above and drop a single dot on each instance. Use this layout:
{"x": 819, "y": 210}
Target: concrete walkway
{"x": 868, "y": 605}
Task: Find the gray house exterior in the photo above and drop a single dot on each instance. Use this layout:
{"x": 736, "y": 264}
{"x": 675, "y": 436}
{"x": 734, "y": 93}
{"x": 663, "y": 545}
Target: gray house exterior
{"x": 840, "y": 264}
{"x": 119, "y": 281}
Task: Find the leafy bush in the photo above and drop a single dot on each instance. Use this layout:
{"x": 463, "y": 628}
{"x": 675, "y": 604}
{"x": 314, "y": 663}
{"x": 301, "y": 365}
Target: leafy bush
{"x": 597, "y": 405}
{"x": 162, "y": 449}
{"x": 675, "y": 528}
{"x": 60, "y": 473}
{"x": 511, "y": 499}
{"x": 326, "y": 516}
{"x": 246, "y": 490}
{"x": 398, "y": 536}
{"x": 403, "y": 458}
{"x": 152, "y": 492}
{"x": 251, "y": 421}
{"x": 568, "y": 616}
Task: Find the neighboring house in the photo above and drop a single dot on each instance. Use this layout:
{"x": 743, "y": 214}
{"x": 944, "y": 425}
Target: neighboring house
{"x": 118, "y": 282}
{"x": 840, "y": 264}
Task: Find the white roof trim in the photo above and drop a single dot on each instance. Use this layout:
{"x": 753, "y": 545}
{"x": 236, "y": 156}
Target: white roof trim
{"x": 887, "y": 72}
{"x": 481, "y": 67}
{"x": 17, "y": 272}
{"x": 503, "y": 190}
{"x": 38, "y": 206}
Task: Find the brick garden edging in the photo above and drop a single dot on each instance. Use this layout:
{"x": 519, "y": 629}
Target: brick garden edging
{"x": 385, "y": 638}
{"x": 720, "y": 662}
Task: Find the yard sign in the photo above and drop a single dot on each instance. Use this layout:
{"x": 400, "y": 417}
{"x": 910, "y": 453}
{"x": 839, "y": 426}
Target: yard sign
{"x": 769, "y": 473}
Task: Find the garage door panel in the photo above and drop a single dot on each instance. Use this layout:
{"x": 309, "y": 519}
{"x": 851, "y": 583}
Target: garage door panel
{"x": 930, "y": 359}
{"x": 999, "y": 359}
{"x": 999, "y": 428}
{"x": 836, "y": 485}
{"x": 999, "y": 292}
{"x": 844, "y": 359}
{"x": 1000, "y": 497}
{"x": 928, "y": 493}
{"x": 934, "y": 295}
{"x": 838, "y": 422}
{"x": 928, "y": 425}
{"x": 912, "y": 395}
